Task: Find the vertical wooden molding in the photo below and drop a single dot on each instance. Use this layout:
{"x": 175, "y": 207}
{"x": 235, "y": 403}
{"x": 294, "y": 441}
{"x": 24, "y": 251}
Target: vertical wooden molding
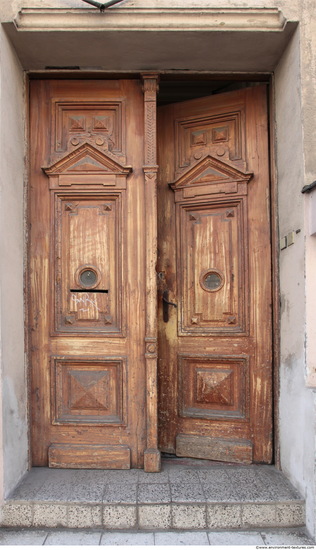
{"x": 152, "y": 460}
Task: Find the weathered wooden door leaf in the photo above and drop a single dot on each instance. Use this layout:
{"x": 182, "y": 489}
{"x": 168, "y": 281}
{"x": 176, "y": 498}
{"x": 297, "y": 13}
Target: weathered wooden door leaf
{"x": 214, "y": 254}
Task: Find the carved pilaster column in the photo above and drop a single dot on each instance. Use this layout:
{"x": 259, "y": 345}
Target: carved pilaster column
{"x": 150, "y": 88}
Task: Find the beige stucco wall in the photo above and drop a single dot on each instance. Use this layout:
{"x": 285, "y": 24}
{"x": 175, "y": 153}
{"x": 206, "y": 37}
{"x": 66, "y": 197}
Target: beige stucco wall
{"x": 295, "y": 108}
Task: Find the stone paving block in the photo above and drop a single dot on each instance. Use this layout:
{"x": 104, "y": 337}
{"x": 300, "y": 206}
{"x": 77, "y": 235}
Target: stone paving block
{"x": 121, "y": 476}
{"x": 186, "y": 538}
{"x": 159, "y": 477}
{"x": 70, "y": 490}
{"x": 154, "y": 516}
{"x": 124, "y": 493}
{"x": 17, "y": 515}
{"x": 290, "y": 514}
{"x": 86, "y": 476}
{"x": 242, "y": 474}
{"x": 258, "y": 515}
{"x": 282, "y": 492}
{"x": 30, "y": 485}
{"x": 223, "y": 516}
{"x": 213, "y": 475}
{"x": 119, "y": 517}
{"x": 153, "y": 493}
{"x": 50, "y": 515}
{"x": 187, "y": 492}
{"x": 220, "y": 491}
{"x": 287, "y": 538}
{"x": 188, "y": 516}
{"x": 235, "y": 538}
{"x": 182, "y": 475}
{"x": 251, "y": 492}
{"x": 73, "y": 538}
{"x": 128, "y": 539}
{"x": 83, "y": 516}
{"x": 22, "y": 537}
{"x": 56, "y": 490}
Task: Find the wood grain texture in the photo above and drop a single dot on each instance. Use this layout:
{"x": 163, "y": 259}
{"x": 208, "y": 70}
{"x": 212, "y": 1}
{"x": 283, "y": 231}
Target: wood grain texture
{"x": 222, "y": 450}
{"x": 102, "y": 457}
{"x": 150, "y": 88}
{"x": 215, "y": 352}
{"x": 94, "y": 208}
{"x": 87, "y": 212}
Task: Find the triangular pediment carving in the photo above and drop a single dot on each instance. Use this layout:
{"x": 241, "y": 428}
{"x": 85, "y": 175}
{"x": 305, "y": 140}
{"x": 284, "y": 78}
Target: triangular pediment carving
{"x": 86, "y": 159}
{"x": 210, "y": 171}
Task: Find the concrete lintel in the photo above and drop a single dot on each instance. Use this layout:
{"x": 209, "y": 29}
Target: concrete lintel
{"x": 128, "y": 39}
{"x": 141, "y": 19}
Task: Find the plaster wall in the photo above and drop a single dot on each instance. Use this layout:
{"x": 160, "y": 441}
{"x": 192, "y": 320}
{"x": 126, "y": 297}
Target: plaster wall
{"x": 297, "y": 407}
{"x": 13, "y": 431}
{"x": 295, "y": 102}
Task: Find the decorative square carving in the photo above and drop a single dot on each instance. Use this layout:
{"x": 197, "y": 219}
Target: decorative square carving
{"x": 88, "y": 391}
{"x": 101, "y": 123}
{"x": 205, "y": 133}
{"x": 213, "y": 386}
{"x": 220, "y": 134}
{"x": 199, "y": 138}
{"x": 76, "y": 123}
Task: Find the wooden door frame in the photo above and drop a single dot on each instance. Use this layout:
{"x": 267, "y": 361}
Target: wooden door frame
{"x": 152, "y": 455}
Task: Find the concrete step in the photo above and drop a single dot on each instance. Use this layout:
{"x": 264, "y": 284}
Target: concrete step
{"x": 185, "y": 495}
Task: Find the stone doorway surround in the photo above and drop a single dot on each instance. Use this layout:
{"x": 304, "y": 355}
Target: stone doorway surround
{"x": 158, "y": 37}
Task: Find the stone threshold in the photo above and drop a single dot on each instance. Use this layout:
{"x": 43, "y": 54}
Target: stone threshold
{"x": 185, "y": 495}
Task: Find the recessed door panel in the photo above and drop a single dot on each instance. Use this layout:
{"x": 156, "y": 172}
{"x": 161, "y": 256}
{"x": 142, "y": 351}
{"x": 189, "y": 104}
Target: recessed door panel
{"x": 213, "y": 387}
{"x": 89, "y": 260}
{"x": 88, "y": 391}
{"x": 211, "y": 268}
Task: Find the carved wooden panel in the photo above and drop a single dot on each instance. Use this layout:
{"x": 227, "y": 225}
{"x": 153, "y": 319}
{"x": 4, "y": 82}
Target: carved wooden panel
{"x": 202, "y": 134}
{"x": 89, "y": 167}
{"x": 89, "y": 263}
{"x": 213, "y": 386}
{"x": 212, "y": 268}
{"x": 100, "y": 123}
{"x": 87, "y": 390}
{"x": 211, "y": 176}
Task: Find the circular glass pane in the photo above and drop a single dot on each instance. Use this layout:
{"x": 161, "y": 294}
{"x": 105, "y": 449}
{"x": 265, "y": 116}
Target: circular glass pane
{"x": 211, "y": 280}
{"x": 88, "y": 278}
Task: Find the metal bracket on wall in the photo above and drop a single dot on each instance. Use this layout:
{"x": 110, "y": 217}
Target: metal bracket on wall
{"x": 102, "y": 7}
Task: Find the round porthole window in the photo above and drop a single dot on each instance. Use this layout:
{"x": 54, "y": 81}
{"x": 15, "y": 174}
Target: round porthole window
{"x": 88, "y": 276}
{"x": 211, "y": 280}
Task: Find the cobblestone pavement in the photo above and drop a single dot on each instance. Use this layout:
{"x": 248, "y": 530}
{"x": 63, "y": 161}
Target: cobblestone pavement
{"x": 66, "y": 537}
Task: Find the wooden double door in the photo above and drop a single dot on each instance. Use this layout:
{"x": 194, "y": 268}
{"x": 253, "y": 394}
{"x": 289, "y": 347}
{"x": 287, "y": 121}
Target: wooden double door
{"x": 150, "y": 320}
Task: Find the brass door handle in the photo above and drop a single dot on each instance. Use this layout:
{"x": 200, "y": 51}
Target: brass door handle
{"x": 165, "y": 305}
